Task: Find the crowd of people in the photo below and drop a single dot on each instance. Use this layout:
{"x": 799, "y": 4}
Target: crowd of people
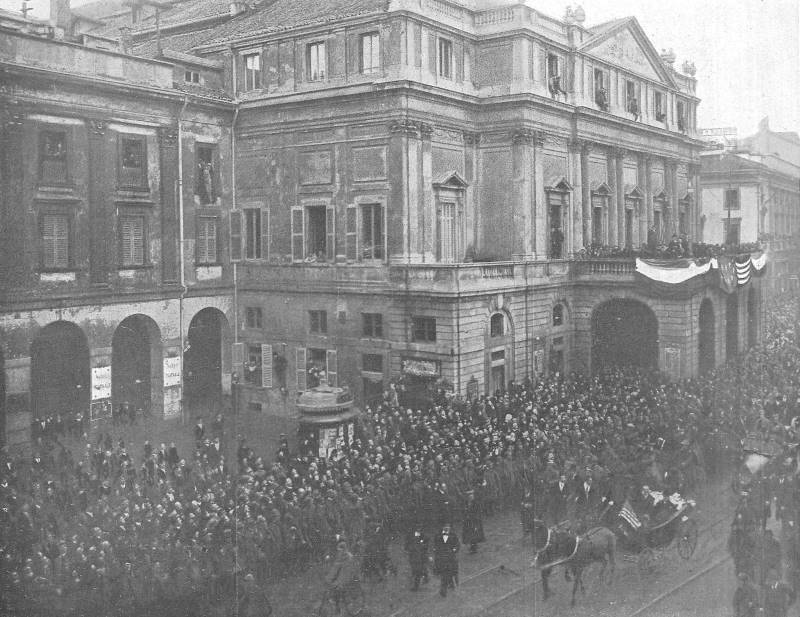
{"x": 675, "y": 247}
{"x": 117, "y": 526}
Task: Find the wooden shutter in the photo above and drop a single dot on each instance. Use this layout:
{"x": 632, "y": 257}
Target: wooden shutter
{"x": 330, "y": 230}
{"x": 266, "y": 365}
{"x": 236, "y": 235}
{"x": 330, "y": 367}
{"x": 351, "y": 233}
{"x": 55, "y": 241}
{"x": 458, "y": 60}
{"x": 300, "y": 368}
{"x": 265, "y": 233}
{"x": 298, "y": 234}
{"x": 138, "y": 240}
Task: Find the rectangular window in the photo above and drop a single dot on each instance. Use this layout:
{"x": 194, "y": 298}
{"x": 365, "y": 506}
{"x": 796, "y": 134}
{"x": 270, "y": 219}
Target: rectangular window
{"x": 205, "y": 185}
{"x": 681, "y": 113}
{"x": 600, "y": 91}
{"x": 132, "y": 241}
{"x": 552, "y": 66}
{"x": 55, "y": 241}
{"x": 298, "y": 234}
{"x": 372, "y": 363}
{"x": 252, "y": 370}
{"x": 253, "y": 317}
{"x": 252, "y": 71}
{"x": 207, "y": 240}
{"x": 191, "y": 77}
{"x": 658, "y": 106}
{"x": 319, "y": 233}
{"x": 53, "y": 157}
{"x": 252, "y": 230}
{"x": 732, "y": 228}
{"x": 372, "y": 236}
{"x": 373, "y": 325}
{"x": 445, "y": 58}
{"x": 631, "y": 99}
{"x": 318, "y": 322}
{"x": 316, "y": 61}
{"x": 446, "y": 215}
{"x": 423, "y": 329}
{"x": 370, "y": 53}
{"x": 732, "y": 199}
{"x": 132, "y": 161}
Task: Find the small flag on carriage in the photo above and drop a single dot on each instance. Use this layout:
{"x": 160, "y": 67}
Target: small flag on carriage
{"x": 629, "y": 516}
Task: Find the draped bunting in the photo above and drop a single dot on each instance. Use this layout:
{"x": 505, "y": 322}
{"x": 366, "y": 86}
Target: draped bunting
{"x": 729, "y": 273}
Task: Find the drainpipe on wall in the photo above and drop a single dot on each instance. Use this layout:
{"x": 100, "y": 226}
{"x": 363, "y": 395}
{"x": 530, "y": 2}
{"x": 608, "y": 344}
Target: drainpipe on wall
{"x": 182, "y": 277}
{"x": 235, "y": 264}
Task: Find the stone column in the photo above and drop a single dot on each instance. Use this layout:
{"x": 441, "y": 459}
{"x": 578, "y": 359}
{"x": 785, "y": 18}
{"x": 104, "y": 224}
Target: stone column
{"x": 693, "y": 179}
{"x": 12, "y": 201}
{"x": 102, "y": 173}
{"x": 619, "y": 191}
{"x": 427, "y": 213}
{"x": 671, "y": 176}
{"x": 522, "y": 194}
{"x": 648, "y": 194}
{"x": 586, "y": 194}
{"x": 405, "y": 145}
{"x": 168, "y": 159}
{"x": 573, "y": 231}
{"x": 612, "y": 160}
{"x": 541, "y": 217}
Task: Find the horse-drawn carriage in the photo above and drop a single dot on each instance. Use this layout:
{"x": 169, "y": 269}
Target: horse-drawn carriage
{"x": 647, "y": 539}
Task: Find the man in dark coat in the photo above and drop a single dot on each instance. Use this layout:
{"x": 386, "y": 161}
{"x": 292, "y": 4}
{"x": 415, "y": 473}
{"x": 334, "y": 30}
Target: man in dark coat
{"x": 472, "y": 533}
{"x": 417, "y": 549}
{"x": 445, "y": 559}
{"x": 558, "y": 500}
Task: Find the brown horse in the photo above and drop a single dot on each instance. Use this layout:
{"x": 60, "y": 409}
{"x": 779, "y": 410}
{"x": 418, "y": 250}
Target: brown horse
{"x": 554, "y": 547}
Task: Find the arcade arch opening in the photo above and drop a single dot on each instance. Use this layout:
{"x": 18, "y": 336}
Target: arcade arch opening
{"x": 732, "y": 326}
{"x": 203, "y": 360}
{"x": 60, "y": 373}
{"x": 136, "y": 374}
{"x": 624, "y": 333}
{"x": 707, "y": 358}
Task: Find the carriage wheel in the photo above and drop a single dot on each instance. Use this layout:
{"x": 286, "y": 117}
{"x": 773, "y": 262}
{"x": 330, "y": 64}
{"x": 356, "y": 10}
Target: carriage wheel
{"x": 687, "y": 541}
{"x": 647, "y": 561}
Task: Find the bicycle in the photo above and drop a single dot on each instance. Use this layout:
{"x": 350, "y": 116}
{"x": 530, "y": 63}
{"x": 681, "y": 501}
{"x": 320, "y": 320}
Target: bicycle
{"x": 351, "y": 601}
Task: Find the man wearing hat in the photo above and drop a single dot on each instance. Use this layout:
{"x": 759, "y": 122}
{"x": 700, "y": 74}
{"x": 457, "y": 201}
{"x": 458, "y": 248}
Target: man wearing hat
{"x": 417, "y": 549}
{"x": 341, "y": 573}
{"x": 472, "y": 533}
{"x": 445, "y": 559}
{"x": 745, "y": 598}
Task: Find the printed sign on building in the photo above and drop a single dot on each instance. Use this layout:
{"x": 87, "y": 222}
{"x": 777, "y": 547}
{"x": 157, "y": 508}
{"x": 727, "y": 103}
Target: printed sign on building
{"x": 172, "y": 372}
{"x": 101, "y": 382}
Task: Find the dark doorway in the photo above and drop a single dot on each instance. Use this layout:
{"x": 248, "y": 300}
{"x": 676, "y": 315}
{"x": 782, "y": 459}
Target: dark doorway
{"x": 732, "y": 326}
{"x": 136, "y": 354}
{"x": 624, "y": 333}
{"x": 60, "y": 374}
{"x": 202, "y": 361}
{"x": 707, "y": 357}
{"x": 752, "y": 318}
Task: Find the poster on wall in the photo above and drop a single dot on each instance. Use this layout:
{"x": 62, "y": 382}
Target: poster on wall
{"x": 327, "y": 440}
{"x": 172, "y": 372}
{"x": 101, "y": 383}
{"x": 538, "y": 361}
{"x": 672, "y": 362}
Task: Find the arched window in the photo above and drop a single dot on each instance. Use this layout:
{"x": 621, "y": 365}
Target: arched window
{"x": 497, "y": 327}
{"x": 558, "y": 315}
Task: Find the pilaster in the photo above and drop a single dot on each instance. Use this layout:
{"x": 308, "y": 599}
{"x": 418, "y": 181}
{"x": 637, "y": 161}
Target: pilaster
{"x": 619, "y": 192}
{"x": 586, "y": 194}
{"x": 168, "y": 160}
{"x": 648, "y": 195}
{"x": 102, "y": 174}
{"x": 575, "y": 234}
{"x": 427, "y": 214}
{"x": 472, "y": 166}
{"x": 12, "y": 200}
{"x": 523, "y": 198}
{"x": 405, "y": 143}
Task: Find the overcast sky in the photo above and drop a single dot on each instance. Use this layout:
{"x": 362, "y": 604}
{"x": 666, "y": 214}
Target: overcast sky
{"x": 746, "y": 51}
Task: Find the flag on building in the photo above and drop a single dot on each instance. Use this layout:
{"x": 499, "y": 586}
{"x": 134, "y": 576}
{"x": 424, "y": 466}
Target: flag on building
{"x": 629, "y": 516}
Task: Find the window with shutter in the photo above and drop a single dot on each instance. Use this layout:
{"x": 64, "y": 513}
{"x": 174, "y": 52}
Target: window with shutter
{"x": 330, "y": 367}
{"x": 330, "y": 228}
{"x": 300, "y": 368}
{"x": 298, "y": 234}
{"x": 447, "y": 232}
{"x": 236, "y": 235}
{"x": 370, "y": 53}
{"x": 207, "y": 240}
{"x": 351, "y": 233}
{"x": 132, "y": 161}
{"x": 55, "y": 241}
{"x": 252, "y": 229}
{"x": 372, "y": 235}
{"x": 53, "y": 158}
{"x": 132, "y": 241}
{"x": 266, "y": 365}
{"x": 265, "y": 237}
{"x": 316, "y": 61}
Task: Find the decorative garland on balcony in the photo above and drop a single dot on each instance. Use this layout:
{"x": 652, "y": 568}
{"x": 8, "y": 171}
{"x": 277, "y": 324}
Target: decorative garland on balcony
{"x": 731, "y": 273}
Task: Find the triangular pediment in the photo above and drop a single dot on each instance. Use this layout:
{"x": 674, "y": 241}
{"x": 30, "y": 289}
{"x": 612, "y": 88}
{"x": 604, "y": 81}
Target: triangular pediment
{"x": 451, "y": 180}
{"x": 601, "y": 188}
{"x": 661, "y": 195}
{"x": 627, "y": 46}
{"x": 634, "y": 192}
{"x": 687, "y": 197}
{"x": 558, "y": 183}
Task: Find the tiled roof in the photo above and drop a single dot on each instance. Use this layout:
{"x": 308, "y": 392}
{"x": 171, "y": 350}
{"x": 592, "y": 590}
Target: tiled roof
{"x": 148, "y": 48}
{"x": 101, "y": 8}
{"x": 287, "y": 14}
{"x": 181, "y": 12}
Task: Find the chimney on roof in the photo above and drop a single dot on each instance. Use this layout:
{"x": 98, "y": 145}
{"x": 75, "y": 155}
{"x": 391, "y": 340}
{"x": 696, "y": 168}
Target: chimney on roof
{"x": 60, "y": 15}
{"x": 237, "y": 7}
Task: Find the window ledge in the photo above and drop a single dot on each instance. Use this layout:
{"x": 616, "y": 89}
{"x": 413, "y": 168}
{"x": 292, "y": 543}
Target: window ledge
{"x": 133, "y": 268}
{"x": 57, "y": 276}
